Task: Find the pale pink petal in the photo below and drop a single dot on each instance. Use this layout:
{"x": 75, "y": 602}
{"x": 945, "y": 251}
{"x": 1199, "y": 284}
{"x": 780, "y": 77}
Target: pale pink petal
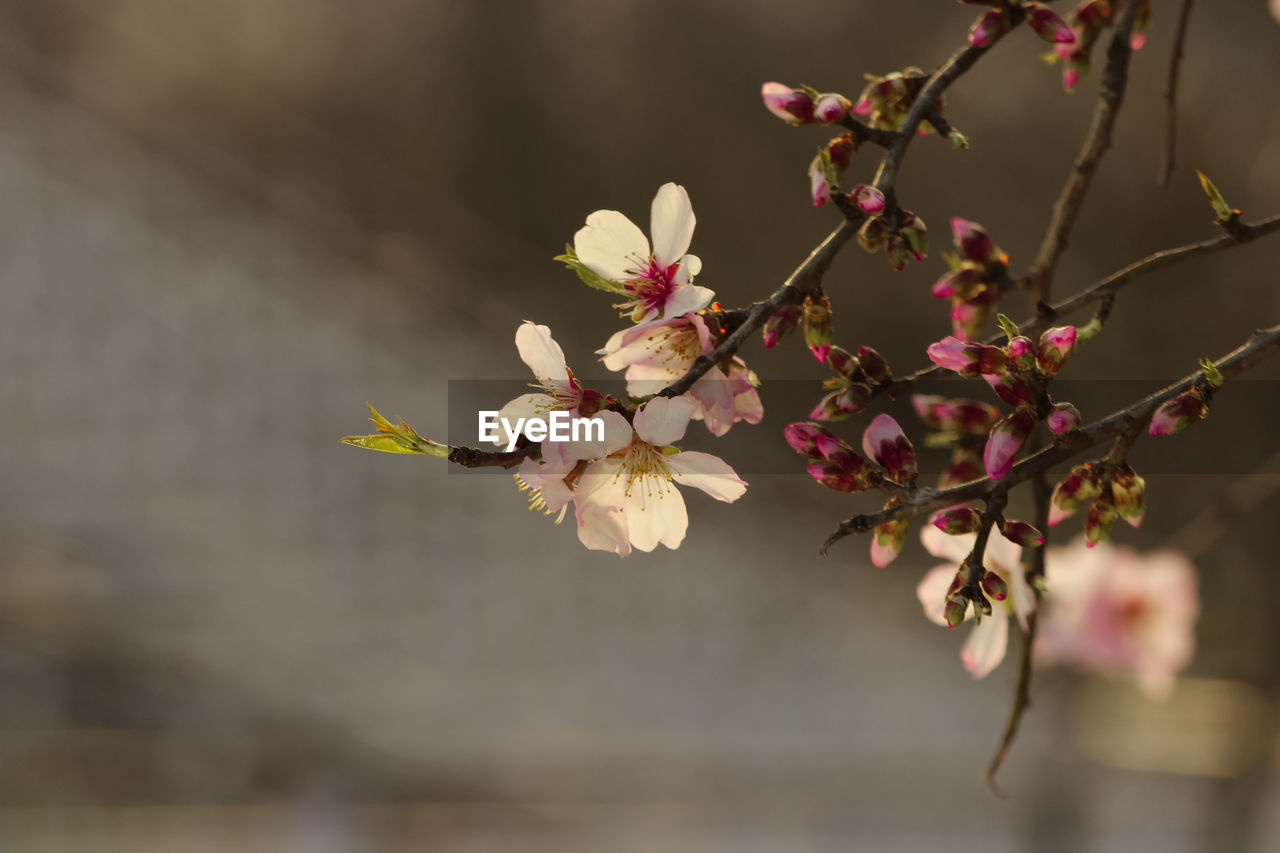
{"x": 611, "y": 245}
{"x": 932, "y": 592}
{"x": 663, "y": 420}
{"x": 603, "y": 529}
{"x": 713, "y": 394}
{"x": 881, "y": 428}
{"x": 944, "y": 547}
{"x": 709, "y": 473}
{"x": 671, "y": 223}
{"x": 985, "y": 648}
{"x": 525, "y": 406}
{"x": 690, "y": 265}
{"x": 540, "y": 351}
{"x": 655, "y": 513}
{"x": 687, "y": 299}
{"x": 883, "y": 553}
{"x": 617, "y": 435}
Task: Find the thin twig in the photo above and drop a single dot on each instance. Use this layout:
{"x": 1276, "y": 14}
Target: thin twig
{"x": 1106, "y": 289}
{"x": 1171, "y": 95}
{"x": 1098, "y": 140}
{"x": 1261, "y": 345}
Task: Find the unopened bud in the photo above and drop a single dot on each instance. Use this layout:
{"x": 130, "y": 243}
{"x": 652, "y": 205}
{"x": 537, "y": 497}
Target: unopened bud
{"x": 974, "y": 243}
{"x": 1021, "y": 353}
{"x": 1064, "y": 418}
{"x": 782, "y": 323}
{"x": 874, "y": 365}
{"x": 954, "y": 612}
{"x": 872, "y": 235}
{"x": 966, "y": 357}
{"x": 1081, "y": 485}
{"x": 1047, "y": 24}
{"x": 793, "y": 106}
{"x": 835, "y": 477}
{"x": 1021, "y": 533}
{"x": 886, "y": 443}
{"x": 1056, "y": 346}
{"x": 867, "y": 198}
{"x": 1006, "y": 439}
{"x": 810, "y": 439}
{"x": 817, "y": 326}
{"x": 989, "y": 27}
{"x": 1179, "y": 413}
{"x": 1011, "y": 388}
{"x": 994, "y": 586}
{"x": 1097, "y": 524}
{"x": 887, "y": 540}
{"x": 831, "y": 108}
{"x": 957, "y": 520}
{"x": 1130, "y": 494}
{"x": 841, "y": 403}
{"x": 843, "y": 362}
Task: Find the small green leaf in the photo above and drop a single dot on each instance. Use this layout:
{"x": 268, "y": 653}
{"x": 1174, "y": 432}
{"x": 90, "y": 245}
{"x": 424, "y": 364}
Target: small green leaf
{"x": 393, "y": 438}
{"x": 1211, "y": 373}
{"x": 385, "y": 443}
{"x": 1007, "y": 326}
{"x": 1216, "y": 201}
{"x": 589, "y": 277}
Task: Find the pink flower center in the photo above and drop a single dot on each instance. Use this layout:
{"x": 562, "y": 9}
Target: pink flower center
{"x": 652, "y": 285}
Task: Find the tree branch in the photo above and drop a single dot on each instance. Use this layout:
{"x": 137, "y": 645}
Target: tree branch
{"x": 1171, "y": 95}
{"x": 1261, "y": 345}
{"x": 1098, "y": 140}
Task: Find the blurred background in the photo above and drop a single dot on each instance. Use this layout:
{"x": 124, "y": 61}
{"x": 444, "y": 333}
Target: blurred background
{"x": 226, "y": 225}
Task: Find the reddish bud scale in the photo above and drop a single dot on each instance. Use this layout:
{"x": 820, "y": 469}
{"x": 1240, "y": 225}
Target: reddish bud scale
{"x": 966, "y": 466}
{"x": 988, "y": 28}
{"x": 874, "y": 365}
{"x": 1047, "y": 24}
{"x": 781, "y": 324}
{"x": 1179, "y": 413}
{"x": 843, "y": 362}
{"x": 1080, "y": 485}
{"x": 817, "y": 326}
{"x": 830, "y": 108}
{"x": 886, "y": 443}
{"x": 970, "y": 315}
{"x": 872, "y": 235}
{"x": 994, "y": 586}
{"x": 834, "y": 477}
{"x": 1011, "y": 388}
{"x": 1102, "y": 515}
{"x": 793, "y": 106}
{"x": 974, "y": 243}
{"x": 1006, "y": 439}
{"x": 841, "y": 150}
{"x": 1064, "y": 418}
{"x": 1128, "y": 490}
{"x": 1021, "y": 533}
{"x": 1056, "y": 346}
{"x": 957, "y": 520}
{"x": 887, "y": 540}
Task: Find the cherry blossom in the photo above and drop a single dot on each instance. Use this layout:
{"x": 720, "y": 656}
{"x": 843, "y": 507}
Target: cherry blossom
{"x": 1111, "y": 610}
{"x": 985, "y": 647}
{"x": 627, "y": 498}
{"x": 658, "y": 283}
{"x": 657, "y": 353}
{"x": 560, "y": 389}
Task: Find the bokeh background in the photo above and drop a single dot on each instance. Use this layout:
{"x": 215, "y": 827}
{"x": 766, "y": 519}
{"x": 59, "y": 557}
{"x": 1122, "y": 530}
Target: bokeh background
{"x": 226, "y": 225}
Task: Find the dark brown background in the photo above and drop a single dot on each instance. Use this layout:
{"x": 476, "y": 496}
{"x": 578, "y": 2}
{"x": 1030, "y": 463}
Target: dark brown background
{"x": 225, "y": 225}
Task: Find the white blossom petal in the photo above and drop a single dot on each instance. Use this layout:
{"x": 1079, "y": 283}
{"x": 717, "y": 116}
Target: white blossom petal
{"x": 709, "y": 473}
{"x": 540, "y": 351}
{"x": 984, "y": 649}
{"x": 932, "y": 593}
{"x": 945, "y": 547}
{"x": 671, "y": 223}
{"x": 655, "y": 513}
{"x": 663, "y": 420}
{"x": 688, "y": 298}
{"x": 611, "y": 245}
{"x": 524, "y": 406}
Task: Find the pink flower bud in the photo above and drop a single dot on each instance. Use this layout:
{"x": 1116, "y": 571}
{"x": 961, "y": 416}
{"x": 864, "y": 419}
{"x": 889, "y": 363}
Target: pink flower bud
{"x": 886, "y": 443}
{"x": 810, "y": 440}
{"x": 793, "y": 106}
{"x": 1021, "y": 533}
{"x": 990, "y": 26}
{"x": 782, "y": 323}
{"x": 843, "y": 362}
{"x": 970, "y": 313}
{"x": 994, "y": 586}
{"x": 974, "y": 243}
{"x": 967, "y": 358}
{"x": 831, "y": 108}
{"x": 1011, "y": 388}
{"x": 1056, "y": 346}
{"x": 1048, "y": 25}
{"x": 887, "y": 540}
{"x": 841, "y": 403}
{"x": 1070, "y": 79}
{"x": 841, "y": 150}
{"x": 1080, "y": 485}
{"x": 1064, "y": 418}
{"x": 1021, "y": 354}
{"x": 874, "y": 365}
{"x": 1006, "y": 439}
{"x": 863, "y": 107}
{"x": 1179, "y": 413}
{"x": 957, "y": 520}
{"x": 834, "y": 477}
{"x": 916, "y": 234}
{"x": 818, "y": 188}
{"x": 868, "y": 198}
